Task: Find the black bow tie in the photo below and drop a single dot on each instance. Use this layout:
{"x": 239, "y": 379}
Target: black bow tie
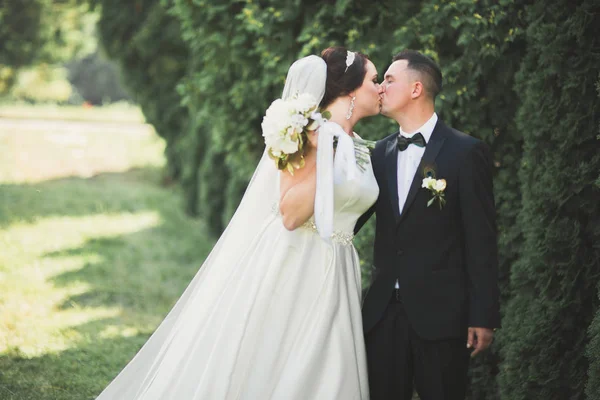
{"x": 417, "y": 139}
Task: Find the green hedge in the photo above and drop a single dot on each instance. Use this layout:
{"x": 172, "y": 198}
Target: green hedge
{"x": 593, "y": 350}
{"x": 554, "y": 282}
{"x": 593, "y": 354}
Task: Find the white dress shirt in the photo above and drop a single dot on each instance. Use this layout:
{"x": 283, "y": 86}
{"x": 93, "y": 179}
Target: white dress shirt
{"x": 408, "y": 162}
{"x": 409, "y": 159}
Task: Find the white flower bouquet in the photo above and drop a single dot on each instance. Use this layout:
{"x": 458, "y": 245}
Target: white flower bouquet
{"x": 285, "y": 127}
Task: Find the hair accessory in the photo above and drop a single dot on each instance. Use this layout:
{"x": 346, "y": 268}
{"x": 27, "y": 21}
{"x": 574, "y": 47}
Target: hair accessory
{"x": 350, "y": 55}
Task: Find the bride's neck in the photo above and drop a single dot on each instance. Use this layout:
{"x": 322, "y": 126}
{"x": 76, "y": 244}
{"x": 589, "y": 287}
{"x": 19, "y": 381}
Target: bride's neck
{"x": 338, "y": 110}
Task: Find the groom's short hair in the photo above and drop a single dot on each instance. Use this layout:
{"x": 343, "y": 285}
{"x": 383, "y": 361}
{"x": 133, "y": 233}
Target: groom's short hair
{"x": 431, "y": 75}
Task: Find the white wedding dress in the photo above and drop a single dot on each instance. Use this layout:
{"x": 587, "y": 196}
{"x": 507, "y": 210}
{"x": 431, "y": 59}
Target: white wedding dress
{"x": 272, "y": 314}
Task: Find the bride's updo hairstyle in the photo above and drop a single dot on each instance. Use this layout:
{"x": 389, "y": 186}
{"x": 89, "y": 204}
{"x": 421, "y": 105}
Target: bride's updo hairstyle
{"x": 341, "y": 82}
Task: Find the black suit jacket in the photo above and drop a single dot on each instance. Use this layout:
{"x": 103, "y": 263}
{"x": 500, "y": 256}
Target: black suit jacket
{"x": 445, "y": 260}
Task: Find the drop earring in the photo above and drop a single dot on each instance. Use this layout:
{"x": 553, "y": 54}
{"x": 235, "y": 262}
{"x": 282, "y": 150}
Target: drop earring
{"x": 351, "y": 109}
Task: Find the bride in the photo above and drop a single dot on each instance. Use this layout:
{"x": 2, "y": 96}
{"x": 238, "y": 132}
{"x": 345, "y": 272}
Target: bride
{"x": 275, "y": 310}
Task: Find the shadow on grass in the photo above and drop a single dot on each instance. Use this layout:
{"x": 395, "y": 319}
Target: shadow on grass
{"x": 140, "y": 274}
{"x": 111, "y": 192}
{"x": 137, "y": 272}
{"x": 77, "y": 373}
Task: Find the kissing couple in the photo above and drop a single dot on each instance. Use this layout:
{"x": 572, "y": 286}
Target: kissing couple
{"x": 276, "y": 310}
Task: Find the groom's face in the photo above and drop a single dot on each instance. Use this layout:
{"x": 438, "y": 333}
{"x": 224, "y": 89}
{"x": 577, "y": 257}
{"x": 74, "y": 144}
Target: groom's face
{"x": 397, "y": 88}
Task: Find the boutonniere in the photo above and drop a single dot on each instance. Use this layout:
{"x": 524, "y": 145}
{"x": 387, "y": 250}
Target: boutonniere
{"x": 435, "y": 186}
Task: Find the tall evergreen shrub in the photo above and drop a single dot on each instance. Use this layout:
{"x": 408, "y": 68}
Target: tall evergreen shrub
{"x": 554, "y": 282}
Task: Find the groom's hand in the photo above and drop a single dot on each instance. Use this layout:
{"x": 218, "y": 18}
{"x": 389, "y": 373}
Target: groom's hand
{"x": 479, "y": 339}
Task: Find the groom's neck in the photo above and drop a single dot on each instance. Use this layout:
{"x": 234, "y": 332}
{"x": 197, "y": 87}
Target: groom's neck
{"x": 414, "y": 117}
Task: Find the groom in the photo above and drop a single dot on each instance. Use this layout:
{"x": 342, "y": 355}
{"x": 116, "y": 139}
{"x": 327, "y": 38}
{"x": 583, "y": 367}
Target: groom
{"x": 434, "y": 299}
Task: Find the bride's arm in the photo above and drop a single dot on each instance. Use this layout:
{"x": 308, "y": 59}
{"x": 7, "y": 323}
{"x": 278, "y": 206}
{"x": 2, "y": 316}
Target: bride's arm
{"x": 297, "y": 192}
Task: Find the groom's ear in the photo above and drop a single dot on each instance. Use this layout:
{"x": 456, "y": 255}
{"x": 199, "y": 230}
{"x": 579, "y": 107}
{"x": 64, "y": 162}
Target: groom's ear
{"x": 417, "y": 90}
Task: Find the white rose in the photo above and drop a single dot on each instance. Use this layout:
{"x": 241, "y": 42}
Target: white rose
{"x": 276, "y": 109}
{"x": 440, "y": 185}
{"x": 285, "y": 145}
{"x": 428, "y": 183}
{"x": 304, "y": 102}
{"x": 298, "y": 122}
{"x": 269, "y": 128}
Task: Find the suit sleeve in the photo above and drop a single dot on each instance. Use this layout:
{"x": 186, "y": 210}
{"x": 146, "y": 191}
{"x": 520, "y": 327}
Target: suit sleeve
{"x": 364, "y": 218}
{"x": 377, "y": 155}
{"x": 478, "y": 218}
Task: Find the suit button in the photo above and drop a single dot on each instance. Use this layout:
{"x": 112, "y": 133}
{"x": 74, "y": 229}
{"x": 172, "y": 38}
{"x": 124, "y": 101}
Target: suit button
{"x": 400, "y": 252}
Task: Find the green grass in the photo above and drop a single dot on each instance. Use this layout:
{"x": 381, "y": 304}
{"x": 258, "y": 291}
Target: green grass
{"x": 118, "y": 112}
{"x": 94, "y": 251}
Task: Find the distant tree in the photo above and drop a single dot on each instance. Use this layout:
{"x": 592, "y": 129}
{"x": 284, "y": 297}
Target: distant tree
{"x": 96, "y": 79}
{"x": 40, "y": 31}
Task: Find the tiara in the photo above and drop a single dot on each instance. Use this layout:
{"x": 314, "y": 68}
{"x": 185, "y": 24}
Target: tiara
{"x": 350, "y": 55}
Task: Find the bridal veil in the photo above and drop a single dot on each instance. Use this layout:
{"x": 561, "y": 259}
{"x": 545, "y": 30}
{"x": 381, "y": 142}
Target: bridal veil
{"x": 166, "y": 354}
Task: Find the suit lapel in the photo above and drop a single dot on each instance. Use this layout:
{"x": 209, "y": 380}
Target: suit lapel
{"x": 391, "y": 173}
{"x": 431, "y": 151}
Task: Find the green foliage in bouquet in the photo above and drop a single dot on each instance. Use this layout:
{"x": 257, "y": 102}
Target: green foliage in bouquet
{"x": 290, "y": 162}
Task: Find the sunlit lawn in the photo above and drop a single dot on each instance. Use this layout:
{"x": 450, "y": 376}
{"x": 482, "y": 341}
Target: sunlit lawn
{"x": 119, "y": 112}
{"x": 93, "y": 253}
